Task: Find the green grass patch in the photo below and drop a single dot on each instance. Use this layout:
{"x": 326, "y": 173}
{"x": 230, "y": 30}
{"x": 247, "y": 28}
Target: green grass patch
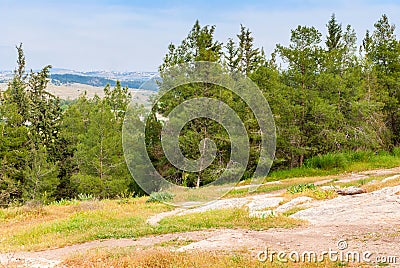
{"x": 299, "y": 172}
{"x": 299, "y": 188}
{"x": 336, "y": 163}
{"x": 224, "y": 218}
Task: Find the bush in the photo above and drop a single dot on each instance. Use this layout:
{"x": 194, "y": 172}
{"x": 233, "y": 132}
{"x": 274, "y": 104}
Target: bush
{"x": 160, "y": 197}
{"x": 108, "y": 187}
{"x": 85, "y": 197}
{"x": 327, "y": 161}
{"x": 396, "y": 151}
{"x": 294, "y": 189}
{"x": 64, "y": 202}
{"x": 360, "y": 156}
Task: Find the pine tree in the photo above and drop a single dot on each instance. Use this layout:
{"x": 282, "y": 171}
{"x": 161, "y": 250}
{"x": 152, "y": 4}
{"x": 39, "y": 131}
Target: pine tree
{"x": 45, "y": 113}
{"x": 14, "y": 151}
{"x": 303, "y": 57}
{"x": 334, "y": 37}
{"x": 99, "y": 155}
{"x": 118, "y": 99}
{"x": 250, "y": 58}
{"x": 41, "y": 176}
{"x": 32, "y": 113}
{"x": 384, "y": 52}
{"x": 199, "y": 45}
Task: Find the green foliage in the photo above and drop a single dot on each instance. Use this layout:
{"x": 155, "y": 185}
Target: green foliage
{"x": 85, "y": 197}
{"x": 396, "y": 151}
{"x": 160, "y": 197}
{"x": 29, "y": 137}
{"x": 359, "y": 156}
{"x": 200, "y": 45}
{"x": 355, "y": 161}
{"x": 117, "y": 99}
{"x": 327, "y": 161}
{"x": 294, "y": 189}
{"x": 99, "y": 157}
{"x": 40, "y": 177}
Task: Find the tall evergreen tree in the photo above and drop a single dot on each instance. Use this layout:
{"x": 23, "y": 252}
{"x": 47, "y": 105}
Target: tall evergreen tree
{"x": 118, "y": 99}
{"x": 29, "y": 111}
{"x": 303, "y": 57}
{"x": 334, "y": 37}
{"x": 384, "y": 51}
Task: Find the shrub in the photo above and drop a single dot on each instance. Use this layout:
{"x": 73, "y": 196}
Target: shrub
{"x": 85, "y": 197}
{"x": 160, "y": 197}
{"x": 396, "y": 151}
{"x": 301, "y": 188}
{"x": 64, "y": 202}
{"x": 360, "y": 156}
{"x": 327, "y": 161}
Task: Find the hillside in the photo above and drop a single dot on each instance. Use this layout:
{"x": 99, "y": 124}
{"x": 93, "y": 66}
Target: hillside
{"x": 60, "y": 77}
{"x": 69, "y": 84}
{"x": 74, "y": 90}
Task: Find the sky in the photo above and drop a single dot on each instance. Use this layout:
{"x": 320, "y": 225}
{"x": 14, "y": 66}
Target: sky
{"x": 123, "y": 35}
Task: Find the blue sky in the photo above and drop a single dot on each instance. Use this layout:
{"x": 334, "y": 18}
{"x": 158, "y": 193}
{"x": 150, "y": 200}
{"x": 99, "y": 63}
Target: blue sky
{"x": 126, "y": 35}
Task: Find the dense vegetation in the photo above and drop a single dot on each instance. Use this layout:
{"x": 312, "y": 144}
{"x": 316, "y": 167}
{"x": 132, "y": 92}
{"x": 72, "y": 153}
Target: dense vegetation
{"x": 326, "y": 94}
{"x": 326, "y": 97}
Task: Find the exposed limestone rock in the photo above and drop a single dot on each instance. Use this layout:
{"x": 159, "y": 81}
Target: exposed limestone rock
{"x": 391, "y": 178}
{"x": 292, "y": 203}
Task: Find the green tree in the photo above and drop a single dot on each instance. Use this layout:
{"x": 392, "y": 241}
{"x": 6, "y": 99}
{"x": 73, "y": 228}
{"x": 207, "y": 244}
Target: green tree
{"x": 200, "y": 45}
{"x": 14, "y": 151}
{"x": 303, "y": 57}
{"x": 383, "y": 49}
{"x": 118, "y": 99}
{"x": 41, "y": 176}
{"x": 335, "y": 33}
{"x": 102, "y": 170}
{"x": 30, "y": 117}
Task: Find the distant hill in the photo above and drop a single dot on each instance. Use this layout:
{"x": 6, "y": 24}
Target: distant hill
{"x": 65, "y": 79}
{"x": 74, "y": 90}
{"x": 60, "y": 77}
{"x": 69, "y": 84}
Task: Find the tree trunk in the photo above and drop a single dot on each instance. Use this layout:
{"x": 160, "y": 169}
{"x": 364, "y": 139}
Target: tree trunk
{"x": 201, "y": 161}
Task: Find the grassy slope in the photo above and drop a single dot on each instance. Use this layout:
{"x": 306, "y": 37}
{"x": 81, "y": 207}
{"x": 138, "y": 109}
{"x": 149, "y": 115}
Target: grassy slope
{"x": 38, "y": 228}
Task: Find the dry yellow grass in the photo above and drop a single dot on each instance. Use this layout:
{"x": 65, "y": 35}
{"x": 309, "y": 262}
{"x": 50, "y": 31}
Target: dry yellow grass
{"x": 163, "y": 258}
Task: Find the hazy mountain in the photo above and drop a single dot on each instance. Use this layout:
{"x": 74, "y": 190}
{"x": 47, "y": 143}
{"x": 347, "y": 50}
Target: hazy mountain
{"x": 61, "y": 76}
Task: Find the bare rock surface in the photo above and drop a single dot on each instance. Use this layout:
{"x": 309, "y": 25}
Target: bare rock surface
{"x": 376, "y": 207}
{"x": 253, "y": 203}
{"x": 293, "y": 203}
